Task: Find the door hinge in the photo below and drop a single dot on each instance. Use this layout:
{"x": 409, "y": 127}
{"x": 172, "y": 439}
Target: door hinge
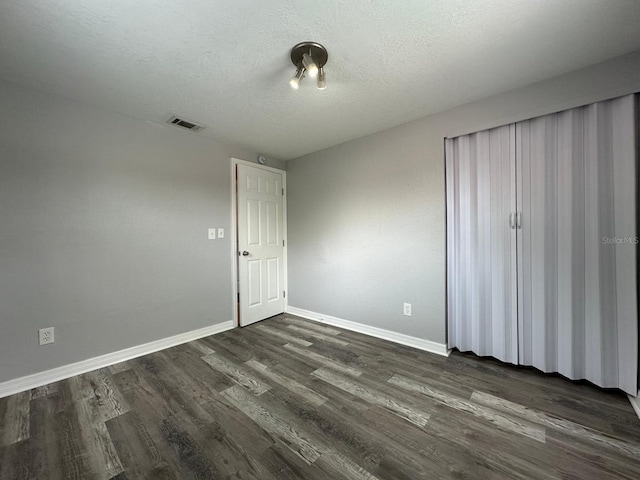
{"x": 283, "y": 192}
{"x": 283, "y": 243}
{"x": 284, "y": 294}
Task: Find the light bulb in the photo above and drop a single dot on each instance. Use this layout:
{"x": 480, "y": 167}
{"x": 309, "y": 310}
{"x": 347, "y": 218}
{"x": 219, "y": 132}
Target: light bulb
{"x": 309, "y": 64}
{"x": 295, "y": 81}
{"x": 322, "y": 81}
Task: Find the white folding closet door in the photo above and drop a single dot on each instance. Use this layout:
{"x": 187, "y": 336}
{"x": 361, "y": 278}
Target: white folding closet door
{"x": 551, "y": 264}
{"x": 577, "y": 257}
{"x": 558, "y": 291}
{"x": 481, "y": 244}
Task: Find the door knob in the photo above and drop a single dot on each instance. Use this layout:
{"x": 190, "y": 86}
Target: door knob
{"x": 245, "y": 253}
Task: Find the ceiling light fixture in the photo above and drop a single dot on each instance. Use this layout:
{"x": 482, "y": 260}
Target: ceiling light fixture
{"x": 309, "y": 58}
{"x": 295, "y": 81}
{"x": 322, "y": 81}
{"x": 309, "y": 64}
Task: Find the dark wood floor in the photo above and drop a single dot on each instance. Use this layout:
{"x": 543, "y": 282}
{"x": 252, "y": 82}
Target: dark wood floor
{"x": 288, "y": 398}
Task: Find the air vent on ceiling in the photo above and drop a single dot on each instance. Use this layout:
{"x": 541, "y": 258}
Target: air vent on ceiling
{"x": 181, "y": 122}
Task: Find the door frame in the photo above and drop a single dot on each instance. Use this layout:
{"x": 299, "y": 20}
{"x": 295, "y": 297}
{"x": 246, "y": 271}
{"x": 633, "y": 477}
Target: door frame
{"x": 234, "y": 232}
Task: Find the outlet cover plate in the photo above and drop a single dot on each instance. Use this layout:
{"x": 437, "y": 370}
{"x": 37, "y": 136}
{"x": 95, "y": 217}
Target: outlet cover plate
{"x": 407, "y": 309}
{"x": 46, "y": 335}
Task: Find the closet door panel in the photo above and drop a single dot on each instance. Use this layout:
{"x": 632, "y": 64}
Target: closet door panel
{"x": 540, "y": 224}
{"x": 625, "y": 206}
{"x": 523, "y": 203}
{"x": 501, "y": 251}
{"x": 577, "y": 300}
{"x": 611, "y": 311}
{"x": 480, "y": 244}
{"x": 571, "y": 238}
{"x": 481, "y": 323}
{"x": 461, "y": 226}
{"x": 452, "y": 183}
{"x": 598, "y": 272}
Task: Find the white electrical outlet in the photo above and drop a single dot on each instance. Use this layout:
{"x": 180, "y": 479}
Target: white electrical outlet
{"x": 407, "y": 309}
{"x": 46, "y": 335}
{"x": 212, "y": 234}
{"x": 221, "y": 233}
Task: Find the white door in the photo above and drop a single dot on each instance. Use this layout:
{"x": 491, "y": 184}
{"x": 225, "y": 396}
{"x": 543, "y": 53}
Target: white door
{"x": 577, "y": 253}
{"x": 481, "y": 243}
{"x": 260, "y": 243}
{"x": 567, "y": 182}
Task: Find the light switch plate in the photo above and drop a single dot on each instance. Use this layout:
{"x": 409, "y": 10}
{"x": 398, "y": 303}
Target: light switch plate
{"x": 212, "y": 234}
{"x": 221, "y": 233}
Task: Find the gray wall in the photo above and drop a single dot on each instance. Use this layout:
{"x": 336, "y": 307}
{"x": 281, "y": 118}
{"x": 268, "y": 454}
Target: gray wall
{"x": 103, "y": 224}
{"x": 367, "y": 218}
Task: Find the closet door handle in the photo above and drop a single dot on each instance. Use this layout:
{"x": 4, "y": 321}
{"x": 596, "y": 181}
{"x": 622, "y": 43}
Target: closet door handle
{"x": 512, "y": 223}
{"x": 519, "y": 220}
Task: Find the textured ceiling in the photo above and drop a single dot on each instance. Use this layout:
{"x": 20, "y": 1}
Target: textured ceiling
{"x": 224, "y": 63}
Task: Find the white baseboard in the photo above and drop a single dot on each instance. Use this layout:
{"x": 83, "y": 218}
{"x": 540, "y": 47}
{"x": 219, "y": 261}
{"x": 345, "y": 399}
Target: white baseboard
{"x": 635, "y": 403}
{"x": 22, "y": 384}
{"x": 419, "y": 343}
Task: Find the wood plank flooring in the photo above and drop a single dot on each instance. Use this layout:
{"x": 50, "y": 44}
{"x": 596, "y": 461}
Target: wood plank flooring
{"x": 291, "y": 399}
